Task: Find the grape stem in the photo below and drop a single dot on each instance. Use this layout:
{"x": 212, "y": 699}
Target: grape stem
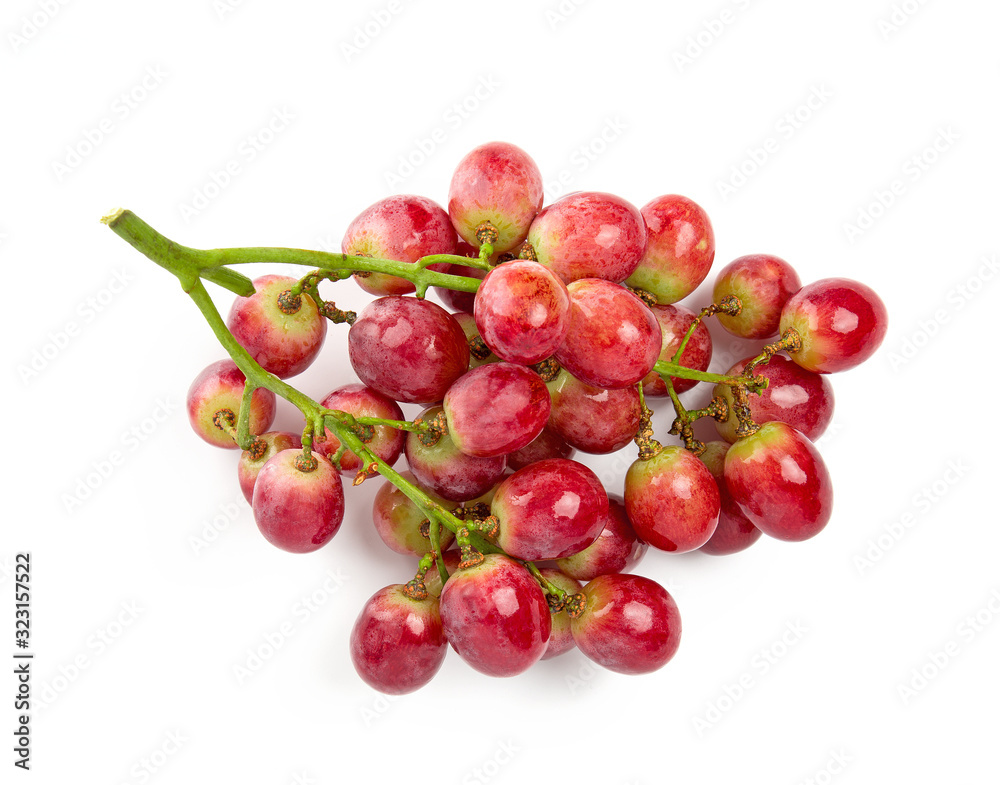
{"x": 191, "y": 264}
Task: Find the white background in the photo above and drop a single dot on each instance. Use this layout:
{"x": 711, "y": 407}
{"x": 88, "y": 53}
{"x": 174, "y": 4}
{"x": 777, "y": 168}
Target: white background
{"x": 153, "y": 589}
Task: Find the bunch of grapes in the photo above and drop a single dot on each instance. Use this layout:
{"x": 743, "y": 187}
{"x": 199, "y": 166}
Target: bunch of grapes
{"x": 563, "y": 324}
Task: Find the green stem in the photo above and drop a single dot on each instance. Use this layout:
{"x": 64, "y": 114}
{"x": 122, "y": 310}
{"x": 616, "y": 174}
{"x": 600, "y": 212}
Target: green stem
{"x": 188, "y": 264}
{"x": 667, "y": 368}
{"x": 434, "y": 534}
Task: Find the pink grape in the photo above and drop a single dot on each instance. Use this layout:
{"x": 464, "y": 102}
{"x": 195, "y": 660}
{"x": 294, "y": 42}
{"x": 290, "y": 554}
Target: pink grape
{"x": 500, "y": 183}
{"x": 613, "y": 338}
{"x": 398, "y": 643}
{"x": 284, "y": 344}
{"x": 218, "y": 390}
{"x": 672, "y": 500}
{"x": 593, "y": 419}
{"x": 298, "y": 511}
{"x": 779, "y": 480}
{"x": 735, "y": 532}
{"x": 496, "y": 409}
{"x": 674, "y": 322}
{"x": 549, "y": 509}
{"x": 763, "y": 283}
{"x": 680, "y": 250}
{"x": 589, "y": 234}
{"x": 403, "y": 228}
{"x": 361, "y": 401}
{"x": 801, "y": 398}
{"x": 522, "y": 311}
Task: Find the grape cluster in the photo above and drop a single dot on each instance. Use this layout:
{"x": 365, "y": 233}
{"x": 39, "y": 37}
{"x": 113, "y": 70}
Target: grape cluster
{"x": 564, "y": 321}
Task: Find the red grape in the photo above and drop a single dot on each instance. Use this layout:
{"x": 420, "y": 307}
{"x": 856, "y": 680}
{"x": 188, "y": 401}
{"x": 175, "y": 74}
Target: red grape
{"x": 763, "y": 283}
{"x": 500, "y": 183}
{"x": 630, "y": 624}
{"x": 284, "y": 344}
{"x": 735, "y": 532}
{"x": 298, "y": 511}
{"x": 218, "y": 389}
{"x": 779, "y": 480}
{"x": 841, "y": 324}
{"x": 672, "y": 500}
{"x": 680, "y": 250}
{"x": 404, "y": 228}
{"x": 589, "y": 235}
{"x": 495, "y": 616}
{"x": 613, "y": 338}
{"x": 409, "y": 349}
{"x": 495, "y": 409}
{"x": 675, "y": 320}
{"x": 801, "y": 398}
{"x": 398, "y": 643}
{"x": 522, "y": 311}
{"x": 549, "y": 509}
